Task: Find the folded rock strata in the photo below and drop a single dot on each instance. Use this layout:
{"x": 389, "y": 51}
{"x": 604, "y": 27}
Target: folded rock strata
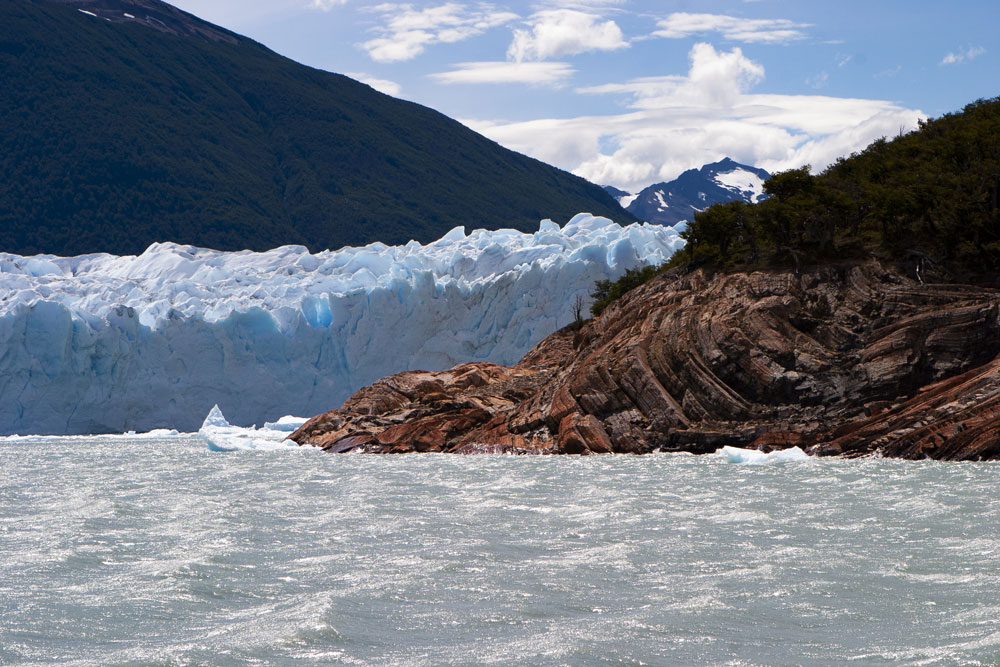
{"x": 848, "y": 359}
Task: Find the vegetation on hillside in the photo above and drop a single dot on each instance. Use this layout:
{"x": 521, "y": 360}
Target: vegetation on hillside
{"x": 607, "y": 291}
{"x": 117, "y": 135}
{"x": 929, "y": 198}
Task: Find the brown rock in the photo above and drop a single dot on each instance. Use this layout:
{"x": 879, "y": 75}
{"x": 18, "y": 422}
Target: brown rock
{"x": 582, "y": 434}
{"x": 843, "y": 359}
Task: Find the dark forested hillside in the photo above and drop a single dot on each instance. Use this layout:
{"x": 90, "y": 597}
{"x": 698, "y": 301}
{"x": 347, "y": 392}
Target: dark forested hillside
{"x": 116, "y": 135}
{"x": 929, "y": 197}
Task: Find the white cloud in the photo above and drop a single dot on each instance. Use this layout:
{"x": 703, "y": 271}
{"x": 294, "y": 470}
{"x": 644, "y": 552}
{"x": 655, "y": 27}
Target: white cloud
{"x": 550, "y": 73}
{"x": 683, "y": 121}
{"x": 401, "y": 46}
{"x": 682, "y": 24}
{"x": 962, "y": 55}
{"x": 326, "y": 5}
{"x": 407, "y": 31}
{"x": 714, "y": 79}
{"x": 381, "y": 85}
{"x": 562, "y": 32}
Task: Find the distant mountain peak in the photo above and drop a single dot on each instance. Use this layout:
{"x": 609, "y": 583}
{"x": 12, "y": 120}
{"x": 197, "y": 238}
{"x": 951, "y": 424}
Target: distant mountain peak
{"x": 695, "y": 190}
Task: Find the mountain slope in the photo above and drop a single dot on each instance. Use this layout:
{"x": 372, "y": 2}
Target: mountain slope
{"x": 695, "y": 190}
{"x": 118, "y": 135}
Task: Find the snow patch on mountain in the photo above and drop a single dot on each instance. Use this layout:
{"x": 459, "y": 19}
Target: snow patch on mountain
{"x": 747, "y": 184}
{"x": 102, "y": 343}
{"x": 626, "y": 200}
{"x": 663, "y": 203}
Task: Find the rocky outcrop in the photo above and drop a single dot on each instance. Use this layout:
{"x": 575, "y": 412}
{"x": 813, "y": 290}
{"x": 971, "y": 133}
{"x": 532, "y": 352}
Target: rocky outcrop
{"x": 840, "y": 360}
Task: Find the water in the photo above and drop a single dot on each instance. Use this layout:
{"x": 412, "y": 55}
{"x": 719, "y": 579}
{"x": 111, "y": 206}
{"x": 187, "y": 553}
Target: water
{"x": 159, "y": 552}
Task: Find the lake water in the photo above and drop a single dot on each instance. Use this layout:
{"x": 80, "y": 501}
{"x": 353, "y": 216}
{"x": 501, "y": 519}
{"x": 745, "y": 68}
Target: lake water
{"x": 157, "y": 551}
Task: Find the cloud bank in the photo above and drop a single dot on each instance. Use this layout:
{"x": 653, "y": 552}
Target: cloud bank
{"x": 680, "y": 24}
{"x": 502, "y": 71}
{"x": 681, "y": 121}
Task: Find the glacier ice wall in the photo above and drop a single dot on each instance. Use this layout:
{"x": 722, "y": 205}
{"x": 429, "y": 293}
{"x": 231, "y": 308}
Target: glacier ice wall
{"x": 100, "y": 343}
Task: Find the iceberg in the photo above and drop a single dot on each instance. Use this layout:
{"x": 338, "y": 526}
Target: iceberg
{"x": 106, "y": 344}
{"x": 739, "y": 455}
{"x": 286, "y": 424}
{"x": 221, "y": 436}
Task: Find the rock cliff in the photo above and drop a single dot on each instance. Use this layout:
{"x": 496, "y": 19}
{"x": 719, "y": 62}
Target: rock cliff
{"x": 848, "y": 359}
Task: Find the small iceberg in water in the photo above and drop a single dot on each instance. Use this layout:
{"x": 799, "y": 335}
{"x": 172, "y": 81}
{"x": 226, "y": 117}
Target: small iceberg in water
{"x": 221, "y": 436}
{"x": 286, "y": 424}
{"x": 738, "y": 455}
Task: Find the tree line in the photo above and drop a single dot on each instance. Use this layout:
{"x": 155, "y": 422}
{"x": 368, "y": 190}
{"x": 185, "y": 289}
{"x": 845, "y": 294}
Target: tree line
{"x": 930, "y": 197}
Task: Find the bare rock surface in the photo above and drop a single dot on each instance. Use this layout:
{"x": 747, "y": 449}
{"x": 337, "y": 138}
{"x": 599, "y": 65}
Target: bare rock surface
{"x": 849, "y": 359}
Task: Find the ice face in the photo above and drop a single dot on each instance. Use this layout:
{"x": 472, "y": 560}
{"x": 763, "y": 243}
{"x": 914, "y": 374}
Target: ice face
{"x": 100, "y": 343}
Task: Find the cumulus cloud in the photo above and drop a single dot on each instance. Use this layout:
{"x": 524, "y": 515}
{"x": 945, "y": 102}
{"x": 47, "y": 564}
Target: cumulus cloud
{"x": 562, "y": 32}
{"x": 682, "y": 121}
{"x": 714, "y": 79}
{"x": 682, "y": 24}
{"x": 534, "y": 73}
{"x": 962, "y": 55}
{"x": 407, "y": 30}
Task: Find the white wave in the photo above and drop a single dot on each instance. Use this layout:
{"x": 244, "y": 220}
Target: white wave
{"x": 221, "y": 436}
{"x": 738, "y": 455}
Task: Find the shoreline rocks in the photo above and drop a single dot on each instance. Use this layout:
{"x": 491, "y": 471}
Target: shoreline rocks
{"x": 847, "y": 360}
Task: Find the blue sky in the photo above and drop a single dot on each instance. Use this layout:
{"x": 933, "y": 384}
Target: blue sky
{"x": 631, "y": 92}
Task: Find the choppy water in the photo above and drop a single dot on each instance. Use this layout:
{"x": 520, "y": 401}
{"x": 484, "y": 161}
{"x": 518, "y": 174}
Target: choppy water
{"x": 118, "y": 551}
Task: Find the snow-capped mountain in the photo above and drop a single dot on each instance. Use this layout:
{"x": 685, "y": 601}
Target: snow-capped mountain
{"x": 693, "y": 191}
{"x": 105, "y": 343}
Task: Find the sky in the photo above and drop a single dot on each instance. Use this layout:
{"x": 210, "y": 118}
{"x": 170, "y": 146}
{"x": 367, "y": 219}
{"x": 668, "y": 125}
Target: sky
{"x": 633, "y": 92}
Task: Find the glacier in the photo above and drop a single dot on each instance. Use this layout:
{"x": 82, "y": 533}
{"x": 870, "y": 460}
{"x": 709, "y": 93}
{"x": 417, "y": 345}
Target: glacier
{"x": 106, "y": 344}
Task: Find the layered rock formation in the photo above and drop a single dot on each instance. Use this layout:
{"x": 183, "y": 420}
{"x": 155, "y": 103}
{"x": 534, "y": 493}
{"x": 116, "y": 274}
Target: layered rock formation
{"x": 850, "y": 359}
